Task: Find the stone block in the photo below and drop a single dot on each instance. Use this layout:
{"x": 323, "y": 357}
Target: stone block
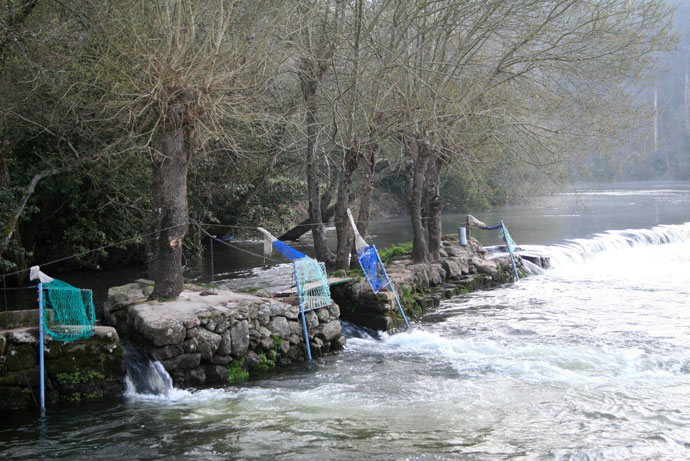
{"x": 279, "y": 326}
{"x": 312, "y": 319}
{"x": 157, "y": 330}
{"x": 167, "y": 352}
{"x": 323, "y": 315}
{"x": 330, "y": 330}
{"x": 208, "y": 344}
{"x": 264, "y": 315}
{"x": 225, "y": 346}
{"x": 23, "y": 336}
{"x": 182, "y": 362}
{"x": 215, "y": 374}
{"x": 452, "y": 268}
{"x": 239, "y": 333}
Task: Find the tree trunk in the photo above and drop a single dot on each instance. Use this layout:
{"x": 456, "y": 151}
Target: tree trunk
{"x": 434, "y": 207}
{"x": 420, "y": 151}
{"x": 4, "y": 172}
{"x": 168, "y": 222}
{"x": 686, "y": 98}
{"x": 342, "y": 224}
{"x": 369, "y": 160}
{"x": 309, "y": 80}
{"x": 303, "y": 227}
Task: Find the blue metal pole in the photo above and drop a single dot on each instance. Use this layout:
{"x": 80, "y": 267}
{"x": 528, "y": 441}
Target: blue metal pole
{"x": 40, "y": 347}
{"x": 388, "y": 282}
{"x": 301, "y": 311}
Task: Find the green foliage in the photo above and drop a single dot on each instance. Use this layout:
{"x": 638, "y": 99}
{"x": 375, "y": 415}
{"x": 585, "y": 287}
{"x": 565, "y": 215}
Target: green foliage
{"x": 463, "y": 194}
{"x": 267, "y": 360}
{"x": 74, "y": 397}
{"x": 78, "y": 376}
{"x": 236, "y": 371}
{"x": 396, "y": 250}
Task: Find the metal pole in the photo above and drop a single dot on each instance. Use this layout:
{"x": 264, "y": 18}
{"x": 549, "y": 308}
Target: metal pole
{"x": 301, "y": 311}
{"x": 40, "y": 347}
{"x": 211, "y": 244}
{"x": 388, "y": 281}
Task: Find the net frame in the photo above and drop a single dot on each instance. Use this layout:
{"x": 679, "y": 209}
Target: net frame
{"x": 69, "y": 312}
{"x": 312, "y": 283}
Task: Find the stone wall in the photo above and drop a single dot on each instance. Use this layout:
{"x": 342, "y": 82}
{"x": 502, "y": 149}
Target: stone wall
{"x": 203, "y": 334}
{"x": 461, "y": 269}
{"x": 74, "y": 371}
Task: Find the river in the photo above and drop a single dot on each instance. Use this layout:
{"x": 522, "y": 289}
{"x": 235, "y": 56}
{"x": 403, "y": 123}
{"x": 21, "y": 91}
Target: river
{"x": 588, "y": 360}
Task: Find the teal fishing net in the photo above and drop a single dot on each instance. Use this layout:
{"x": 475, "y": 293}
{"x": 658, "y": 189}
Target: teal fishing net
{"x": 69, "y": 313}
{"x": 312, "y": 283}
{"x": 310, "y": 275}
{"x": 503, "y": 233}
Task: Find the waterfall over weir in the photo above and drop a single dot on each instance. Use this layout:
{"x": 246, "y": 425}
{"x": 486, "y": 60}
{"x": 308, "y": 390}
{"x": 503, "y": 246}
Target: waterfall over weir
{"x": 144, "y": 375}
{"x": 577, "y": 250}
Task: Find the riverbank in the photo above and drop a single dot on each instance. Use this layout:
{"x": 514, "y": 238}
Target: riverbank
{"x": 86, "y": 369}
{"x": 212, "y": 337}
{"x": 460, "y": 269}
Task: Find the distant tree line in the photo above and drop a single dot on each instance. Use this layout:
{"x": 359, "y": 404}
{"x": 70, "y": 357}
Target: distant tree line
{"x": 120, "y": 120}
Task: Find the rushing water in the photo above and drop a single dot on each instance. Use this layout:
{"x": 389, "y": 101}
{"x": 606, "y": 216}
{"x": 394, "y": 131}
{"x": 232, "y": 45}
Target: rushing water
{"x": 588, "y": 360}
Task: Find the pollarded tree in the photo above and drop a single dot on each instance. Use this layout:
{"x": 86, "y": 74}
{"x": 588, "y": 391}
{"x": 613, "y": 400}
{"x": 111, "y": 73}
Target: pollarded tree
{"x": 539, "y": 80}
{"x": 178, "y": 77}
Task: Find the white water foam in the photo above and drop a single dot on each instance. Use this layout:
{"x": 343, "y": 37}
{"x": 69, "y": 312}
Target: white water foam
{"x": 575, "y": 251}
{"x": 594, "y": 364}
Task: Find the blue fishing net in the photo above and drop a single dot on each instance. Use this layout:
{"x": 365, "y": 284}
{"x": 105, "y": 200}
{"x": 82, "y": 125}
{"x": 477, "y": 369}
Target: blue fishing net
{"x": 289, "y": 253}
{"x": 373, "y": 268}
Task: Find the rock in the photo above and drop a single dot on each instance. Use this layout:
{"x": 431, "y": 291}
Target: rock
{"x": 167, "y": 352}
{"x": 485, "y": 266}
{"x": 125, "y": 295}
{"x": 22, "y": 336}
{"x": 182, "y": 362}
{"x": 292, "y": 313}
{"x": 215, "y": 374}
{"x": 191, "y": 346}
{"x": 222, "y": 324}
{"x": 239, "y": 333}
{"x": 190, "y": 323}
{"x": 436, "y": 274}
{"x": 221, "y": 359}
{"x": 225, "y": 346}
{"x": 277, "y": 309}
{"x": 334, "y": 310}
{"x": 295, "y": 328}
{"x": 251, "y": 360}
{"x": 208, "y": 344}
{"x": 267, "y": 344}
{"x": 264, "y": 315}
{"x": 323, "y": 315}
{"x": 338, "y": 343}
{"x": 330, "y": 330}
{"x": 294, "y": 339}
{"x": 279, "y": 325}
{"x": 452, "y": 268}
{"x": 157, "y": 329}
{"x": 312, "y": 319}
